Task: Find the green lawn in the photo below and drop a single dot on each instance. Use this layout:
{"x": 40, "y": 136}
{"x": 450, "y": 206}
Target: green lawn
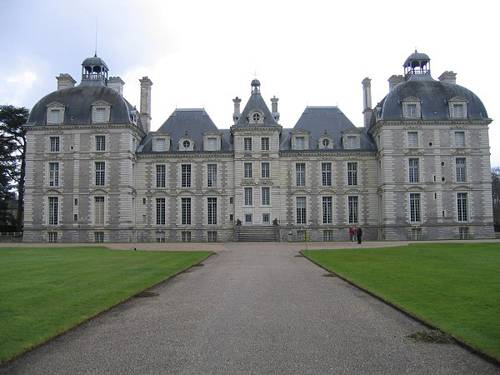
{"x": 45, "y": 291}
{"x": 455, "y": 287}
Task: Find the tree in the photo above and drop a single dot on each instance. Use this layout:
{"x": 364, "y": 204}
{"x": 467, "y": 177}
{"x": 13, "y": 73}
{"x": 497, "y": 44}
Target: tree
{"x": 12, "y": 155}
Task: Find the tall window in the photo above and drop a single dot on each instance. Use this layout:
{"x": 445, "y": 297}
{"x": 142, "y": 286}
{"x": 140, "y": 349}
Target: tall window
{"x": 352, "y": 173}
{"x": 54, "y": 144}
{"x": 186, "y": 211}
{"x": 412, "y": 139}
{"x": 99, "y": 210}
{"x": 248, "y": 170}
{"x": 266, "y": 196}
{"x": 211, "y": 175}
{"x": 264, "y": 169}
{"x": 326, "y": 174}
{"x": 161, "y": 170}
{"x": 212, "y": 210}
{"x": 300, "y": 174}
{"x": 53, "y": 210}
{"x": 301, "y": 210}
{"x": 352, "y": 203}
{"x": 100, "y": 143}
{"x": 100, "y": 173}
{"x": 413, "y": 170}
{"x": 53, "y": 174}
{"x": 462, "y": 207}
{"x": 300, "y": 143}
{"x": 264, "y": 144}
{"x": 248, "y": 196}
{"x": 460, "y": 139}
{"x": 186, "y": 175}
{"x": 461, "y": 170}
{"x": 247, "y": 144}
{"x": 327, "y": 210}
{"x": 160, "y": 211}
{"x": 414, "y": 207}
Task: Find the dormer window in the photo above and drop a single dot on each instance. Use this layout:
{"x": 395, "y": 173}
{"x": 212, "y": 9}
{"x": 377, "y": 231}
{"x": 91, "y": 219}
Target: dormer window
{"x": 325, "y": 143}
{"x": 100, "y": 113}
{"x": 300, "y": 143}
{"x": 411, "y": 108}
{"x": 351, "y": 141}
{"x": 457, "y": 108}
{"x": 256, "y": 118}
{"x": 211, "y": 142}
{"x": 160, "y": 145}
{"x": 186, "y": 145}
{"x": 55, "y": 114}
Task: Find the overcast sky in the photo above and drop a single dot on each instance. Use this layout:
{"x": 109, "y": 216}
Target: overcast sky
{"x": 204, "y": 53}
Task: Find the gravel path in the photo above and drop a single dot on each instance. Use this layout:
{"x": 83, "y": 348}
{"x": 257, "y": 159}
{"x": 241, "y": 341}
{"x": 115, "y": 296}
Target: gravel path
{"x": 251, "y": 309}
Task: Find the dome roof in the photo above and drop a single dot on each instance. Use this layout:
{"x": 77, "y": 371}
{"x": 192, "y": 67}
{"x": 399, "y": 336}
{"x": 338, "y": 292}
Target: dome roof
{"x": 78, "y": 102}
{"x": 416, "y": 57}
{"x": 94, "y": 61}
{"x": 434, "y": 97}
{"x": 255, "y": 82}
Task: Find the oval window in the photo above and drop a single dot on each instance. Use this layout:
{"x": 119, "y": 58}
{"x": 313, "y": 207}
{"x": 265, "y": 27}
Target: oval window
{"x": 186, "y": 144}
{"x": 256, "y": 117}
{"x": 326, "y": 142}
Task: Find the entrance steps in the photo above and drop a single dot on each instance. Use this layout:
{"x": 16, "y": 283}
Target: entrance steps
{"x": 257, "y": 233}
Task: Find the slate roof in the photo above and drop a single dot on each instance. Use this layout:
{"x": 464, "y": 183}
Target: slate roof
{"x": 78, "y": 105}
{"x": 256, "y": 103}
{"x": 318, "y": 120}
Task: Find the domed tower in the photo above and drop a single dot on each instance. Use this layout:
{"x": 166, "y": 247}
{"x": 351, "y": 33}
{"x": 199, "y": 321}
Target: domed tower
{"x": 94, "y": 71}
{"x": 417, "y": 65}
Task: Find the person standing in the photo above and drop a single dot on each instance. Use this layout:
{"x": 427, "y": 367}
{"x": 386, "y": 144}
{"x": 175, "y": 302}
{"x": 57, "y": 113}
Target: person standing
{"x": 351, "y": 234}
{"x": 359, "y": 234}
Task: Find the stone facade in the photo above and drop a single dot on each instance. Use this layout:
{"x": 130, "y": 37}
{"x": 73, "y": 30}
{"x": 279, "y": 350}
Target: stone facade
{"x": 416, "y": 170}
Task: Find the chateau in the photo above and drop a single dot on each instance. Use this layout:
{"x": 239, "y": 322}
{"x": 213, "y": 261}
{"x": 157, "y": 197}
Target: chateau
{"x": 419, "y": 168}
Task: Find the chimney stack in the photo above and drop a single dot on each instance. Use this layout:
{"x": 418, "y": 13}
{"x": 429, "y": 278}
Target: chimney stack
{"x": 65, "y": 81}
{"x": 145, "y": 112}
{"x": 236, "y": 113}
{"x": 274, "y": 106}
{"x": 367, "y": 101}
{"x": 395, "y": 80}
{"x": 116, "y": 83}
{"x": 448, "y": 77}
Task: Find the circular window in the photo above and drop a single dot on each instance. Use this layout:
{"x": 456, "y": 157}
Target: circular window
{"x": 326, "y": 142}
{"x": 256, "y": 117}
{"x": 186, "y": 144}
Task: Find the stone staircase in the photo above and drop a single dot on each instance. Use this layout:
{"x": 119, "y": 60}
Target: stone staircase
{"x": 257, "y": 233}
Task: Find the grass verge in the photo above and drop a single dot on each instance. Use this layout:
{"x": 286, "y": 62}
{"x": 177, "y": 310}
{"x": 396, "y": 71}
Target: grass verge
{"x": 454, "y": 287}
{"x": 46, "y": 291}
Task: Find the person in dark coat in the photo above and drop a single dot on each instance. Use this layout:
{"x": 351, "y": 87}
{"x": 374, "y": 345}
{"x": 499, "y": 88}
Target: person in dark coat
{"x": 359, "y": 234}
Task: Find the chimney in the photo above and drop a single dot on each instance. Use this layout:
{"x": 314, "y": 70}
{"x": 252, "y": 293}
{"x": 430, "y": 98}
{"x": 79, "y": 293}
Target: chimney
{"x": 236, "y": 113}
{"x": 116, "y": 83}
{"x": 274, "y": 106}
{"x": 65, "y": 81}
{"x": 448, "y": 77}
{"x": 145, "y": 112}
{"x": 367, "y": 101}
{"x": 395, "y": 80}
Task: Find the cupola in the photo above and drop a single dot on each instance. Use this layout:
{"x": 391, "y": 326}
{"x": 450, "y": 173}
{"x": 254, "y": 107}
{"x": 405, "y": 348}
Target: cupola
{"x": 417, "y": 65}
{"x": 94, "y": 71}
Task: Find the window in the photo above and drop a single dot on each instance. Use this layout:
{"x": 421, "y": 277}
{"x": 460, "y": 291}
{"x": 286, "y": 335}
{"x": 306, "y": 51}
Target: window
{"x": 53, "y": 210}
{"x": 411, "y": 110}
{"x": 211, "y": 144}
{"x": 212, "y": 236}
{"x": 301, "y": 210}
{"x": 247, "y": 144}
{"x": 100, "y": 173}
{"x": 212, "y": 210}
{"x": 161, "y": 171}
{"x": 327, "y": 210}
{"x": 462, "y": 207}
{"x": 248, "y": 196}
{"x": 248, "y": 170}
{"x": 248, "y": 218}
{"x": 75, "y": 217}
{"x": 256, "y": 117}
{"x": 327, "y": 235}
{"x": 186, "y": 236}
{"x": 211, "y": 175}
{"x": 413, "y": 170}
{"x": 99, "y": 237}
{"x": 53, "y": 174}
{"x": 458, "y": 110}
{"x": 264, "y": 169}
{"x": 266, "y": 218}
{"x": 52, "y": 236}
{"x": 460, "y": 139}
{"x": 99, "y": 210}
{"x": 100, "y": 143}
{"x": 326, "y": 174}
{"x": 54, "y": 144}
{"x": 412, "y": 139}
{"x": 100, "y": 115}
{"x": 186, "y": 144}
{"x": 160, "y": 211}
{"x": 461, "y": 173}
{"x": 160, "y": 144}
{"x": 55, "y": 116}
{"x": 186, "y": 175}
{"x": 414, "y": 207}
{"x": 264, "y": 144}
{"x": 266, "y": 196}
{"x": 416, "y": 234}
{"x": 300, "y": 143}
{"x": 300, "y": 174}
{"x": 352, "y": 173}
{"x": 351, "y": 141}
{"x": 352, "y": 203}
{"x": 325, "y": 142}
{"x": 186, "y": 211}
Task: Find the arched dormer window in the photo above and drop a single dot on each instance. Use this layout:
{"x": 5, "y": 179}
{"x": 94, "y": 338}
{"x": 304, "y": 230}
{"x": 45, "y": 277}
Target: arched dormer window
{"x": 256, "y": 118}
{"x": 186, "y": 144}
{"x": 412, "y": 108}
{"x": 100, "y": 112}
{"x": 457, "y": 107}
{"x": 55, "y": 113}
